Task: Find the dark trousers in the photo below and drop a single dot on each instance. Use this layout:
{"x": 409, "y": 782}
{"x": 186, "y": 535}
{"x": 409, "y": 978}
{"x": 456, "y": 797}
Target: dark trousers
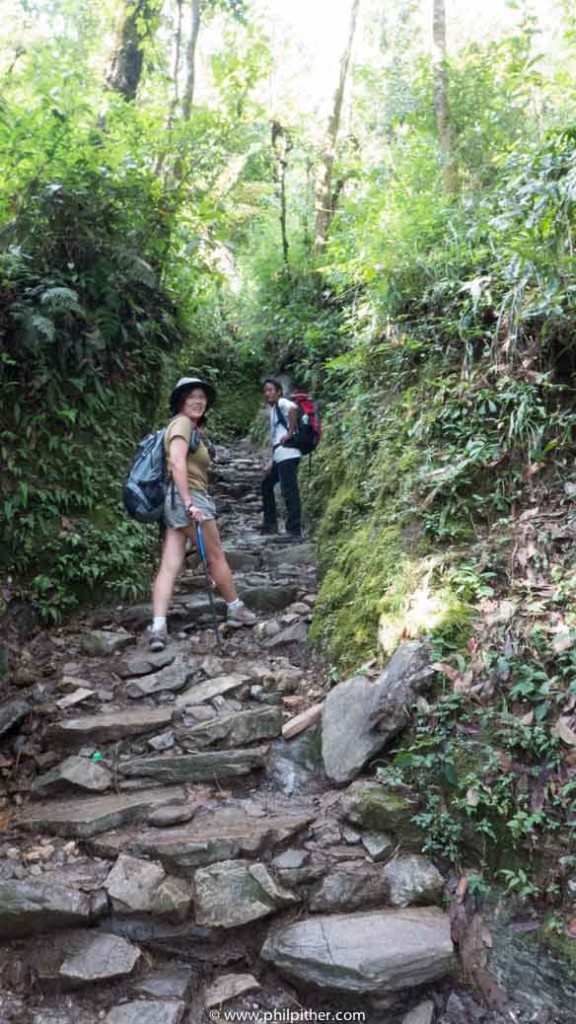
{"x": 286, "y": 474}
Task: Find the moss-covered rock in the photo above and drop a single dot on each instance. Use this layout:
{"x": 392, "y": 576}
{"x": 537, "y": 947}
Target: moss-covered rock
{"x": 373, "y": 807}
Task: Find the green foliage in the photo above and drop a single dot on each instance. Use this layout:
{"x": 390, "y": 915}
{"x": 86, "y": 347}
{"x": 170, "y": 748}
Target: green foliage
{"x": 110, "y": 268}
{"x": 476, "y": 768}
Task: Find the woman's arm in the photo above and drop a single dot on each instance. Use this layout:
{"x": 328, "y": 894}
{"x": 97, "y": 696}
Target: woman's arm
{"x": 178, "y": 453}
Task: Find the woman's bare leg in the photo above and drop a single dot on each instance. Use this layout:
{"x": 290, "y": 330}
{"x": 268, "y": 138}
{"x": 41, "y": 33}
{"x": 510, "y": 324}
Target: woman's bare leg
{"x": 217, "y": 563}
{"x": 173, "y": 551}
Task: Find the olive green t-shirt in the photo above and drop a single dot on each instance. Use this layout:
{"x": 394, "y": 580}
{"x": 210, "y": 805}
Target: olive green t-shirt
{"x": 198, "y": 462}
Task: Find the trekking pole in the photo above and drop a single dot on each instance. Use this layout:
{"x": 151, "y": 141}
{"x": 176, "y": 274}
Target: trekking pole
{"x": 202, "y": 551}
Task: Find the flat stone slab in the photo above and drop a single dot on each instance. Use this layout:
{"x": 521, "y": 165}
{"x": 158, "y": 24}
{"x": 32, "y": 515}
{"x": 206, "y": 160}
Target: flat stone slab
{"x": 204, "y": 767}
{"x": 109, "y": 727}
{"x": 236, "y": 729}
{"x": 103, "y": 641}
{"x": 296, "y": 634}
{"x": 229, "y": 986}
{"x": 27, "y": 908}
{"x": 100, "y": 958}
{"x": 234, "y": 892}
{"x": 80, "y": 819}
{"x": 173, "y": 981}
{"x": 211, "y": 688}
{"x": 291, "y": 554}
{"x": 12, "y": 713}
{"x": 173, "y": 677}
{"x": 144, "y": 664}
{"x": 366, "y": 953}
{"x": 144, "y": 1011}
{"x": 214, "y": 835}
{"x": 73, "y": 774}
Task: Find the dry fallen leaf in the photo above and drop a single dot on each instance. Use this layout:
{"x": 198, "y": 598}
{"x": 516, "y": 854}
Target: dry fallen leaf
{"x": 448, "y": 670}
{"x": 562, "y": 642}
{"x": 571, "y": 929}
{"x": 564, "y": 730}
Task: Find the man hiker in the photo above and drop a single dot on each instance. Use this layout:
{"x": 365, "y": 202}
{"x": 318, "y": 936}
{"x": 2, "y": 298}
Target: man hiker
{"x": 283, "y": 468}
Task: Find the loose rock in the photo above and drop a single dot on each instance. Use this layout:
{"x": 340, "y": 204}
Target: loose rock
{"x": 361, "y": 715}
{"x": 144, "y": 1012}
{"x": 235, "y": 892}
{"x": 98, "y": 642}
{"x": 139, "y": 886}
{"x": 12, "y": 713}
{"x": 229, "y": 986}
{"x": 75, "y": 773}
{"x": 102, "y": 958}
{"x": 412, "y": 879}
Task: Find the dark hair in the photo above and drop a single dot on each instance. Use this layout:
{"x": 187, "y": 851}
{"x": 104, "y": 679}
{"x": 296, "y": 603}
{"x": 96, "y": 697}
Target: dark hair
{"x": 275, "y": 382}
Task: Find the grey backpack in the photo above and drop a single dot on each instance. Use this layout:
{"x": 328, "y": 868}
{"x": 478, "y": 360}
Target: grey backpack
{"x": 144, "y": 491}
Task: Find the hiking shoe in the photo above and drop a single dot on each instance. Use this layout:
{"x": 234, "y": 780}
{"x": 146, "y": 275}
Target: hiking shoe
{"x": 157, "y": 639}
{"x": 241, "y": 616}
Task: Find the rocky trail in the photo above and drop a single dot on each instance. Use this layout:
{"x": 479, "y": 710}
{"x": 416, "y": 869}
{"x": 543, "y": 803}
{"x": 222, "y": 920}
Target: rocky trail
{"x": 180, "y": 842}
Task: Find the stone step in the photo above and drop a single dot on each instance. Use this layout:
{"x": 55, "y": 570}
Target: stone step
{"x": 210, "y": 766}
{"x": 206, "y": 690}
{"x": 108, "y": 727}
{"x": 245, "y": 829}
{"x": 85, "y": 817}
{"x": 365, "y": 953}
{"x": 235, "y": 729}
{"x": 27, "y": 908}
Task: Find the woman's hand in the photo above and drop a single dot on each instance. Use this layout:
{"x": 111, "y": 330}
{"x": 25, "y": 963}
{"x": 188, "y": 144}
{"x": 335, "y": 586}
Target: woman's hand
{"x": 195, "y": 513}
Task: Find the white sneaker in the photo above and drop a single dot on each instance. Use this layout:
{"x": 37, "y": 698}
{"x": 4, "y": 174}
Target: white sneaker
{"x": 157, "y": 638}
{"x": 241, "y": 616}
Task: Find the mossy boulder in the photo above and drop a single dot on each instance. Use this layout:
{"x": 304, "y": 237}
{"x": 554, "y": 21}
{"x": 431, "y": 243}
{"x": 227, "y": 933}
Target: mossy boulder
{"x": 372, "y": 807}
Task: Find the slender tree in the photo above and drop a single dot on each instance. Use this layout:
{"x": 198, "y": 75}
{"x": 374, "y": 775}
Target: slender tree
{"x": 281, "y": 145}
{"x": 441, "y": 103}
{"x": 134, "y": 26}
{"x": 188, "y": 97}
{"x": 325, "y": 197}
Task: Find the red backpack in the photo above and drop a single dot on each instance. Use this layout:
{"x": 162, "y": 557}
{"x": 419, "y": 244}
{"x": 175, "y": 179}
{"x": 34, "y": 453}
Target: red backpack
{"x": 309, "y": 429}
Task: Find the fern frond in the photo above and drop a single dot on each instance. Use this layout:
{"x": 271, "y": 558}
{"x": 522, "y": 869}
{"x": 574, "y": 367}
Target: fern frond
{"x": 61, "y": 299}
{"x": 136, "y": 269}
{"x": 41, "y": 325}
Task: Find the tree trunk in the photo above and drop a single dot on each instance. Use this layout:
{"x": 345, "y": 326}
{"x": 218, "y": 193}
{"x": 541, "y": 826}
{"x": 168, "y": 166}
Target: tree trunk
{"x": 324, "y": 199}
{"x": 177, "y": 56}
{"x": 134, "y": 27}
{"x": 441, "y": 104}
{"x": 281, "y": 144}
{"x": 191, "y": 59}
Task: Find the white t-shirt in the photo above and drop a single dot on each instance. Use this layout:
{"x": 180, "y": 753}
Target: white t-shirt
{"x": 277, "y": 430}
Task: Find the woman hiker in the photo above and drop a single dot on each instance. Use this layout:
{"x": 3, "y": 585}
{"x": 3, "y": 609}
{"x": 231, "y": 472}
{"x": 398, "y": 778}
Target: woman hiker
{"x": 188, "y": 503}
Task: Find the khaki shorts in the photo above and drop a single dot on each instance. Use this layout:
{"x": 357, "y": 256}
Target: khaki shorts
{"x": 175, "y": 514}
